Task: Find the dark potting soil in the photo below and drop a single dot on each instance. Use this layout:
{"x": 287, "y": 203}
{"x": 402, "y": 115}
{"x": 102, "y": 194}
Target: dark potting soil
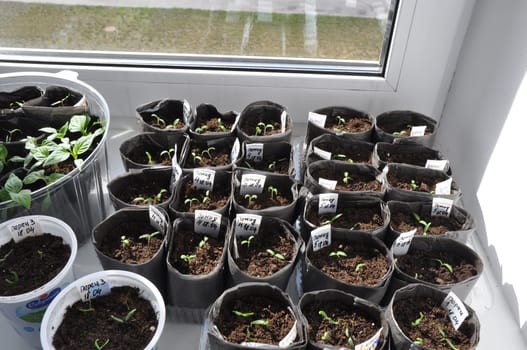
{"x": 434, "y": 267}
{"x": 347, "y": 326}
{"x": 276, "y": 319}
{"x": 91, "y": 322}
{"x": 256, "y": 259}
{"x": 349, "y": 218}
{"x": 272, "y": 165}
{"x": 60, "y": 168}
{"x": 218, "y": 198}
{"x": 250, "y": 125}
{"x": 362, "y": 265}
{"x": 212, "y": 125}
{"x": 168, "y": 122}
{"x": 350, "y": 125}
{"x": 145, "y": 192}
{"x": 264, "y": 200}
{"x": 396, "y": 129}
{"x": 131, "y": 249}
{"x": 404, "y": 222}
{"x": 405, "y": 183}
{"x": 203, "y": 156}
{"x": 346, "y": 154}
{"x": 355, "y": 182}
{"x": 31, "y": 263}
{"x": 202, "y": 253}
{"x": 158, "y": 156}
{"x": 434, "y": 319}
{"x": 414, "y": 158}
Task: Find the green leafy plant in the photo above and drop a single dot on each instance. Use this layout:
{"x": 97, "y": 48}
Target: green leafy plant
{"x": 275, "y": 254}
{"x": 196, "y": 158}
{"x": 426, "y": 225}
{"x": 418, "y": 341}
{"x": 206, "y": 197}
{"x": 243, "y": 314}
{"x": 247, "y": 241}
{"x": 418, "y": 320}
{"x": 271, "y": 165}
{"x": 359, "y": 266}
{"x": 167, "y": 153}
{"x": 202, "y": 129}
{"x": 445, "y": 339}
{"x": 125, "y": 318}
{"x": 87, "y": 309}
{"x": 161, "y": 123}
{"x": 158, "y": 198}
{"x": 338, "y": 254}
{"x": 348, "y": 335}
{"x": 149, "y": 157}
{"x": 341, "y": 121}
{"x": 12, "y": 280}
{"x": 13, "y": 189}
{"x": 61, "y": 102}
{"x": 258, "y": 322}
{"x": 40, "y": 253}
{"x": 414, "y": 185}
{"x": 326, "y": 318}
{"x": 343, "y": 157}
{"x": 445, "y": 265}
{"x": 399, "y": 133}
{"x": 251, "y": 198}
{"x": 125, "y": 242}
{"x": 332, "y": 219}
{"x": 346, "y": 178}
{"x": 220, "y": 125}
{"x": 3, "y": 157}
{"x": 189, "y": 201}
{"x": 203, "y": 241}
{"x": 207, "y": 152}
{"x": 187, "y": 258}
{"x": 100, "y": 346}
{"x": 273, "y": 192}
{"x": 149, "y": 236}
{"x": 261, "y": 128}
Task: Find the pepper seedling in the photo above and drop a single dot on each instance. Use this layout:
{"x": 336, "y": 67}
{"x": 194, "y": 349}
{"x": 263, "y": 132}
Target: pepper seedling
{"x": 346, "y": 178}
{"x": 259, "y": 322}
{"x": 359, "y": 266}
{"x": 196, "y": 158}
{"x": 340, "y": 123}
{"x": 325, "y": 317}
{"x": 125, "y": 318}
{"x": 220, "y": 125}
{"x": 14, "y": 280}
{"x": 159, "y": 195}
{"x": 203, "y": 241}
{"x": 149, "y": 157}
{"x": 445, "y": 265}
{"x": 125, "y": 242}
{"x": 168, "y": 153}
{"x": 275, "y": 254}
{"x": 88, "y": 309}
{"x": 207, "y": 152}
{"x": 343, "y": 157}
{"x": 445, "y": 339}
{"x": 201, "y": 129}
{"x": 251, "y": 198}
{"x": 273, "y": 192}
{"x": 325, "y": 336}
{"x": 100, "y": 346}
{"x": 10, "y": 134}
{"x": 174, "y": 124}
{"x": 348, "y": 335}
{"x": 332, "y": 219}
{"x": 261, "y": 128}
{"x": 187, "y": 258}
{"x": 338, "y": 254}
{"x": 399, "y": 133}
{"x": 418, "y": 341}
{"x": 149, "y": 236}
{"x": 158, "y": 120}
{"x": 414, "y": 185}
{"x": 426, "y": 225}
{"x": 418, "y": 320}
{"x": 61, "y": 102}
{"x": 189, "y": 201}
{"x": 271, "y": 166}
{"x": 6, "y": 255}
{"x": 247, "y": 241}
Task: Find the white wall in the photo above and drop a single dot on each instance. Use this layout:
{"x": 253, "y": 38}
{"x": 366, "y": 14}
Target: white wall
{"x": 487, "y": 81}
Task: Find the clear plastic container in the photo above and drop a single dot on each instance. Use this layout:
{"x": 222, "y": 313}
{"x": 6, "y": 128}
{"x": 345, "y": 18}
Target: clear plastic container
{"x": 77, "y": 198}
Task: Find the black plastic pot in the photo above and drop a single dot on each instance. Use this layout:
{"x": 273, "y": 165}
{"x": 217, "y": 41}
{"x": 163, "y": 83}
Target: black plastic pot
{"x": 325, "y": 147}
{"x": 370, "y": 309}
{"x": 228, "y": 144}
{"x": 405, "y": 153}
{"x": 133, "y": 150}
{"x": 265, "y": 112}
{"x": 216, "y": 341}
{"x": 316, "y": 279}
{"x": 169, "y": 110}
{"x": 394, "y": 121}
{"x": 259, "y": 156}
{"x": 12, "y": 100}
{"x": 205, "y": 112}
{"x": 314, "y": 130}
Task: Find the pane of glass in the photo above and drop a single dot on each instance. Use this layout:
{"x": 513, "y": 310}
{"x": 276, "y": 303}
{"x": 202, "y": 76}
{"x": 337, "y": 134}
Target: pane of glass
{"x": 335, "y": 30}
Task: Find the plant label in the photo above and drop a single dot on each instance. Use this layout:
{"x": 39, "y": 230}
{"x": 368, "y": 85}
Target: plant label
{"x": 254, "y": 151}
{"x": 289, "y": 338}
{"x": 187, "y": 110}
{"x": 207, "y": 222}
{"x": 235, "y": 150}
{"x": 441, "y": 165}
{"x": 94, "y": 289}
{"x": 252, "y": 184}
{"x": 157, "y": 219}
{"x": 457, "y": 312}
{"x": 321, "y": 237}
{"x": 441, "y": 207}
{"x": 327, "y": 203}
{"x": 402, "y": 243}
{"x": 203, "y": 178}
{"x": 444, "y": 187}
{"x": 370, "y": 344}
{"x": 176, "y": 168}
{"x": 418, "y": 130}
{"x": 321, "y": 153}
{"x": 246, "y": 225}
{"x": 327, "y": 184}
{"x": 283, "y": 121}
{"x": 24, "y": 227}
{"x": 317, "y": 119}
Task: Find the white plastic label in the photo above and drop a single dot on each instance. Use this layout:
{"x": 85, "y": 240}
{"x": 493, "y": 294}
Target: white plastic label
{"x": 327, "y": 184}
{"x": 370, "y": 344}
{"x": 176, "y": 169}
{"x": 94, "y": 289}
{"x": 252, "y": 184}
{"x": 457, "y": 312}
{"x": 418, "y": 130}
{"x": 24, "y": 227}
{"x": 321, "y": 153}
{"x": 441, "y": 207}
{"x": 207, "y": 222}
{"x": 254, "y": 151}
{"x": 289, "y": 338}
{"x": 321, "y": 237}
{"x": 247, "y": 225}
{"x": 157, "y": 219}
{"x": 327, "y": 203}
{"x": 444, "y": 187}
{"x": 402, "y": 243}
{"x": 186, "y": 109}
{"x": 235, "y": 150}
{"x": 317, "y": 119}
{"x": 204, "y": 178}
{"x": 435, "y": 164}
{"x": 283, "y": 121}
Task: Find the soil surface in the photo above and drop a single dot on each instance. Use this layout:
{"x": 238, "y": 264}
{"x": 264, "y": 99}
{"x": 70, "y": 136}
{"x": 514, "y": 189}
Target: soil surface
{"x": 257, "y": 261}
{"x": 202, "y": 253}
{"x": 168, "y": 122}
{"x": 349, "y": 125}
{"x": 31, "y": 263}
{"x": 88, "y": 322}
{"x": 264, "y": 200}
{"x": 364, "y": 219}
{"x": 249, "y": 127}
{"x": 405, "y": 183}
{"x": 158, "y": 155}
{"x": 145, "y": 193}
{"x": 131, "y": 249}
{"x": 355, "y": 182}
{"x": 276, "y": 320}
{"x": 414, "y": 158}
{"x": 338, "y": 152}
{"x": 272, "y": 165}
{"x": 430, "y": 266}
{"x": 404, "y": 222}
{"x": 212, "y": 126}
{"x": 218, "y": 198}
{"x": 362, "y": 265}
{"x": 346, "y": 327}
{"x": 428, "y": 330}
{"x": 204, "y": 156}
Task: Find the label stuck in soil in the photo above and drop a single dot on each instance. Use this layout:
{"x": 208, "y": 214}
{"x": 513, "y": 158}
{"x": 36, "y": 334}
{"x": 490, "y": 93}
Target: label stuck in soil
{"x": 317, "y": 119}
{"x": 95, "y": 289}
{"x": 290, "y": 337}
{"x": 252, "y": 184}
{"x": 441, "y": 207}
{"x": 157, "y": 219}
{"x": 457, "y": 312}
{"x": 207, "y": 222}
{"x": 444, "y": 187}
{"x": 246, "y": 225}
{"x": 418, "y": 130}
{"x": 283, "y": 120}
{"x": 434, "y": 164}
{"x": 176, "y": 168}
{"x": 187, "y": 110}
{"x": 370, "y": 344}
{"x": 204, "y": 178}
{"x": 321, "y": 153}
{"x": 254, "y": 152}
{"x": 327, "y": 203}
{"x": 235, "y": 150}
{"x": 321, "y": 237}
{"x": 402, "y": 243}
{"x": 23, "y": 228}
{"x": 327, "y": 184}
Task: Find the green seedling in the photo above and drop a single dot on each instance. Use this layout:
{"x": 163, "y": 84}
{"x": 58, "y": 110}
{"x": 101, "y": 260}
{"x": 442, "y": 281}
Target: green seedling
{"x": 88, "y": 309}
{"x": 418, "y": 320}
{"x": 445, "y": 265}
{"x": 40, "y": 253}
{"x": 332, "y": 219}
{"x": 61, "y": 101}
{"x": 149, "y": 236}
{"x": 3, "y": 157}
{"x": 250, "y": 198}
{"x": 189, "y": 201}
{"x": 100, "y": 346}
{"x": 355, "y": 226}
{"x": 343, "y": 157}
{"x": 273, "y": 191}
{"x": 187, "y": 258}
{"x": 247, "y": 241}
{"x": 168, "y": 153}
{"x": 271, "y": 166}
{"x": 325, "y": 336}
{"x": 445, "y": 339}
{"x": 359, "y": 266}
{"x": 13, "y": 280}
{"x": 174, "y": 124}
{"x": 340, "y": 120}
{"x": 125, "y": 318}
{"x": 248, "y": 164}
{"x": 348, "y": 335}
{"x": 399, "y": 133}
{"x": 6, "y": 255}
{"x": 262, "y": 128}
{"x": 125, "y": 242}
{"x": 158, "y": 120}
{"x": 338, "y": 254}
{"x": 206, "y": 198}
{"x": 159, "y": 195}
{"x": 426, "y": 225}
{"x": 274, "y": 254}
{"x": 220, "y": 125}
{"x": 202, "y": 129}
{"x": 325, "y": 317}
{"x": 243, "y": 314}
{"x": 142, "y": 201}
{"x": 414, "y": 185}
{"x": 149, "y": 157}
{"x": 203, "y": 241}
{"x": 196, "y": 158}
{"x": 207, "y": 152}
{"x": 418, "y": 341}
{"x": 346, "y": 178}
{"x": 10, "y": 134}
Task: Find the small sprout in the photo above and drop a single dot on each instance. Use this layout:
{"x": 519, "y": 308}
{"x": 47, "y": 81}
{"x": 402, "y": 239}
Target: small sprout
{"x": 100, "y": 347}
{"x": 6, "y": 255}
{"x": 206, "y": 198}
{"x": 426, "y": 225}
{"x": 149, "y": 157}
{"x": 418, "y": 320}
{"x": 359, "y": 267}
{"x": 201, "y": 129}
{"x": 248, "y": 334}
{"x": 273, "y": 191}
{"x": 325, "y": 317}
{"x": 243, "y": 314}
{"x": 272, "y": 165}
{"x": 260, "y": 323}
{"x": 187, "y": 258}
{"x": 340, "y": 120}
{"x": 446, "y": 265}
{"x": 346, "y": 178}
{"x": 262, "y": 128}
{"x": 251, "y": 198}
{"x": 40, "y": 253}
{"x": 417, "y": 276}
{"x": 158, "y": 120}
{"x": 274, "y": 254}
{"x": 414, "y": 185}
{"x": 149, "y": 236}
{"x": 418, "y": 341}
{"x": 159, "y": 195}
{"x": 325, "y": 336}
{"x": 343, "y": 157}
{"x": 221, "y": 127}
{"x": 189, "y": 201}
{"x": 167, "y": 153}
{"x": 348, "y": 335}
{"x": 207, "y": 152}
{"x": 174, "y": 124}
{"x": 203, "y": 241}
{"x": 248, "y": 165}
{"x": 11, "y": 133}
{"x": 444, "y": 338}
{"x": 333, "y": 219}
{"x": 142, "y": 201}
{"x": 247, "y": 241}
{"x": 88, "y": 309}
{"x": 338, "y": 254}
{"x": 196, "y": 158}
{"x": 125, "y": 242}
{"x": 126, "y": 317}
{"x": 61, "y": 101}
{"x": 14, "y": 280}
{"x": 355, "y": 226}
